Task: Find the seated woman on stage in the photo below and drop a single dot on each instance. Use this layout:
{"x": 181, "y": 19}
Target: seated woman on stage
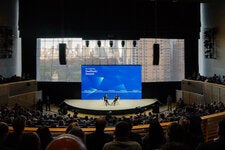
{"x": 115, "y": 99}
{"x": 106, "y": 99}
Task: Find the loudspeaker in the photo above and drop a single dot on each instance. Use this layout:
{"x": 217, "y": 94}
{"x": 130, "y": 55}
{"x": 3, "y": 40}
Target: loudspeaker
{"x": 62, "y": 54}
{"x": 155, "y": 54}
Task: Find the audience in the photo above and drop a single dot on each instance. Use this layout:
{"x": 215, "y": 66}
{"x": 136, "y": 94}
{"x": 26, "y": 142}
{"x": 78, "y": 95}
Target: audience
{"x": 36, "y": 118}
{"x": 122, "y": 141}
{"x": 213, "y": 79}
{"x": 186, "y": 134}
{"x": 13, "y": 78}
{"x": 97, "y": 139}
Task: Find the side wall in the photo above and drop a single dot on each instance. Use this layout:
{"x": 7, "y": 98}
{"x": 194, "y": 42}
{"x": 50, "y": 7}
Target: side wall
{"x": 9, "y": 18}
{"x": 212, "y": 16}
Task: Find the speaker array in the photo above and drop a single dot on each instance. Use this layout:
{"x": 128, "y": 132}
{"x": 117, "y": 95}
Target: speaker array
{"x": 62, "y": 54}
{"x": 155, "y": 54}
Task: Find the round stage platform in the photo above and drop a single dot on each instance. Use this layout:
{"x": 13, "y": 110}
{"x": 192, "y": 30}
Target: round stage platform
{"x": 98, "y": 107}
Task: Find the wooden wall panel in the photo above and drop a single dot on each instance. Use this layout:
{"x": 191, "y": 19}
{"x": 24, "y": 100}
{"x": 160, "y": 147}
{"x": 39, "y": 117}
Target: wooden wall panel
{"x": 192, "y": 86}
{"x": 22, "y": 87}
{"x": 186, "y": 97}
{"x": 208, "y": 93}
{"x": 211, "y": 92}
{"x": 26, "y": 100}
{"x": 4, "y": 94}
{"x": 216, "y": 93}
{"x": 190, "y": 98}
{"x": 222, "y": 95}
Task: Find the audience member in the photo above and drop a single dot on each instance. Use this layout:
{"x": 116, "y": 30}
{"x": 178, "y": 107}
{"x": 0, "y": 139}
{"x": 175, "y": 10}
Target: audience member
{"x": 169, "y": 103}
{"x": 195, "y": 126}
{"x": 48, "y": 104}
{"x": 29, "y": 141}
{"x": 155, "y": 137}
{"x": 71, "y": 125}
{"x": 176, "y": 137}
{"x": 45, "y": 136}
{"x": 77, "y": 131}
{"x": 39, "y": 105}
{"x": 173, "y": 146}
{"x": 223, "y": 80}
{"x": 219, "y": 142}
{"x": 133, "y": 136}
{"x": 13, "y": 137}
{"x": 122, "y": 141}
{"x": 4, "y": 129}
{"x": 188, "y": 140}
{"x": 199, "y": 77}
{"x": 66, "y": 142}
{"x": 97, "y": 139}
{"x": 180, "y": 103}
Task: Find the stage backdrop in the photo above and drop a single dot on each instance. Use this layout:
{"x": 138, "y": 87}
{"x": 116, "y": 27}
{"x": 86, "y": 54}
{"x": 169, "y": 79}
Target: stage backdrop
{"x": 124, "y": 80}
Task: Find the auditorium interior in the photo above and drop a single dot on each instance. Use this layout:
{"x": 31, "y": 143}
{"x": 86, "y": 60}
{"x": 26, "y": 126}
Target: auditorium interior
{"x": 194, "y": 28}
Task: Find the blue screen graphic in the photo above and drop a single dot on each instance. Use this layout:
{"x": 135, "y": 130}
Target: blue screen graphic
{"x": 124, "y": 80}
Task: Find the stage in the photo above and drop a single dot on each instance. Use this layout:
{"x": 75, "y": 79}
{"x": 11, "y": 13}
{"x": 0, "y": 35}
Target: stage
{"x": 124, "y": 106}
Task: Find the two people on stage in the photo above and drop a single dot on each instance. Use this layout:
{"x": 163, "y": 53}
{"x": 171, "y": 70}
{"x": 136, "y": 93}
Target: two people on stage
{"x": 106, "y": 99}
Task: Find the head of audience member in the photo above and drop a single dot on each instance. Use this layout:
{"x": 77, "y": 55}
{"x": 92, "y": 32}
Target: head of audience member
{"x": 71, "y": 125}
{"x": 173, "y": 146}
{"x": 175, "y": 133}
{"x": 77, "y": 131}
{"x": 221, "y": 128}
{"x": 185, "y": 123}
{"x": 129, "y": 122}
{"x": 100, "y": 124}
{"x": 66, "y": 142}
{"x": 156, "y": 131}
{"x": 45, "y": 136}
{"x": 122, "y": 130}
{"x": 29, "y": 141}
{"x": 4, "y": 129}
{"x": 19, "y": 124}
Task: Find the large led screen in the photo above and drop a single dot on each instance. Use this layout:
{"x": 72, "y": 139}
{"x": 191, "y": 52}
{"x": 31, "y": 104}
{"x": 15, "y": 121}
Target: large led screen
{"x": 98, "y": 80}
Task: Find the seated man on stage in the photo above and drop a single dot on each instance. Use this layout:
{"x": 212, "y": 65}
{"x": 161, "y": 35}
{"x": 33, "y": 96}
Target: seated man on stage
{"x": 115, "y": 99}
{"x": 106, "y": 99}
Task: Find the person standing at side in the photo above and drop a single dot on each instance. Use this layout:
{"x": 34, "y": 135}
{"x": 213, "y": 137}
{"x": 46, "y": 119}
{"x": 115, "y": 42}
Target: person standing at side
{"x": 169, "y": 103}
{"x": 48, "y": 103}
